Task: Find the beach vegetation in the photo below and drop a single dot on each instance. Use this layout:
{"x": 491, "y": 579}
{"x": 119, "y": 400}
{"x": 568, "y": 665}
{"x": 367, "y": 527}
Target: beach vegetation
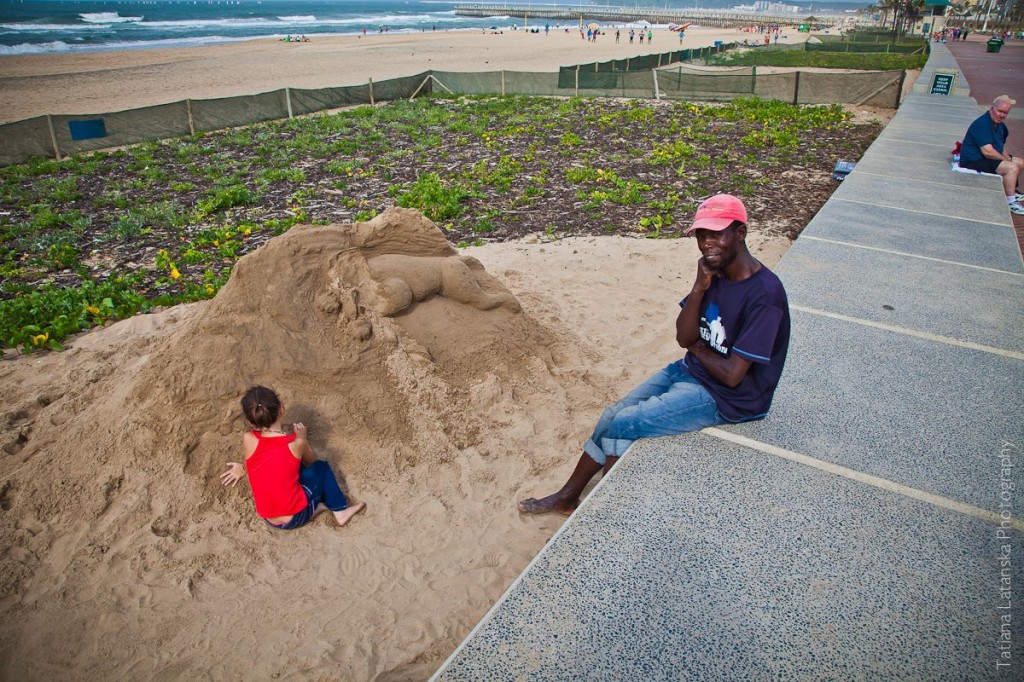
{"x": 867, "y": 61}
{"x": 101, "y": 236}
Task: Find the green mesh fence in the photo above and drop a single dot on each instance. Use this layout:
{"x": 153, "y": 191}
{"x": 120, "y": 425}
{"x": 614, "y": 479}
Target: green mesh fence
{"x": 124, "y": 127}
{"x": 873, "y": 88}
{"x": 485, "y": 83}
{"x": 228, "y": 112}
{"x": 538, "y": 84}
{"x": 567, "y": 74}
{"x": 690, "y": 85}
{"x": 400, "y": 88}
{"x": 25, "y": 139}
{"x": 636, "y": 77}
{"x": 309, "y": 101}
{"x": 776, "y": 86}
{"x": 638, "y": 84}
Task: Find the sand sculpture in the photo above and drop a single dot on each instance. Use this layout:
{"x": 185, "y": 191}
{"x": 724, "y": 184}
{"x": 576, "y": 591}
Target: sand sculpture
{"x": 418, "y": 376}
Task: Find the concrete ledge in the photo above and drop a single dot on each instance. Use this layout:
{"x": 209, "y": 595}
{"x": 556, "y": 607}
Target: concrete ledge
{"x": 870, "y": 527}
{"x": 699, "y": 559}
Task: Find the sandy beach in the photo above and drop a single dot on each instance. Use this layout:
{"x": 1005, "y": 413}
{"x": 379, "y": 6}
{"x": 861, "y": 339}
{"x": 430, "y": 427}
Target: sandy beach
{"x": 123, "y": 556}
{"x": 100, "y": 82}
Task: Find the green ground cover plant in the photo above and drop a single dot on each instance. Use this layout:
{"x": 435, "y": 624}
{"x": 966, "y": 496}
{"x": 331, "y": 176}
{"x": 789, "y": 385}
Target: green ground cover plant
{"x": 869, "y": 61}
{"x": 103, "y": 236}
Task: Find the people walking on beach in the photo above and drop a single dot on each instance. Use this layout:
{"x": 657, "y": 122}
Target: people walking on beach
{"x": 641, "y": 37}
{"x": 616, "y": 35}
{"x": 984, "y": 149}
{"x": 650, "y": 37}
{"x": 290, "y": 487}
{"x": 734, "y": 325}
{"x": 631, "y": 34}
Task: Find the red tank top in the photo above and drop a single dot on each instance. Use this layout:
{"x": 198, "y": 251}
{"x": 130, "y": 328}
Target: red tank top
{"x": 274, "y": 477}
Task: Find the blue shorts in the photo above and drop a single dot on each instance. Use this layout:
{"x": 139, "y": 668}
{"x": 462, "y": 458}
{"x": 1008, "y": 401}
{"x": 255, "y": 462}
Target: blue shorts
{"x": 669, "y": 403}
{"x": 320, "y": 486}
{"x": 984, "y": 165}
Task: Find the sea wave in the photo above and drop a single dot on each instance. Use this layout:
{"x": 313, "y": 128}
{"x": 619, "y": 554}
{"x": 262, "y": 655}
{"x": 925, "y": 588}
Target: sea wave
{"x": 299, "y": 17}
{"x": 35, "y": 48}
{"x": 284, "y": 22}
{"x": 36, "y": 27}
{"x": 106, "y": 18}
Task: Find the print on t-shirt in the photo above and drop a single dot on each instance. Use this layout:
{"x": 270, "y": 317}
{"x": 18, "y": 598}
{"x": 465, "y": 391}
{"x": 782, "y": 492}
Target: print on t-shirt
{"x": 712, "y": 330}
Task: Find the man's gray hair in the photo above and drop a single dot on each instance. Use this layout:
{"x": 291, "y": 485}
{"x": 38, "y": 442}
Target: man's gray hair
{"x": 1004, "y": 98}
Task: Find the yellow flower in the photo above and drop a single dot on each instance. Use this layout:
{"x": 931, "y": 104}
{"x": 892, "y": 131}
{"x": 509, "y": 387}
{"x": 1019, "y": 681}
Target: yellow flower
{"x": 209, "y": 290}
{"x": 92, "y": 310}
{"x": 247, "y": 231}
{"x": 174, "y": 273}
{"x": 216, "y": 242}
{"x": 40, "y": 339}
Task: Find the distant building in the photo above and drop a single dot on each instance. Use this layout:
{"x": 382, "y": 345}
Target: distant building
{"x": 769, "y": 8}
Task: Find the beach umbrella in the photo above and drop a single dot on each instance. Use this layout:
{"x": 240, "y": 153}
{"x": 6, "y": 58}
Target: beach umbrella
{"x": 593, "y": 25}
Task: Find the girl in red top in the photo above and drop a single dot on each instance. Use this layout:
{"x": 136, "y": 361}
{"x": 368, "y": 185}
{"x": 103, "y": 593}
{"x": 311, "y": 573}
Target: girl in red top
{"x": 289, "y": 485}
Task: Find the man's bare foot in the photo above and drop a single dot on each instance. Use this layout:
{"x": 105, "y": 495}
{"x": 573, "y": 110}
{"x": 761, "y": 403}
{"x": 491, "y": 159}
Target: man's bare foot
{"x": 552, "y": 504}
{"x": 345, "y": 515}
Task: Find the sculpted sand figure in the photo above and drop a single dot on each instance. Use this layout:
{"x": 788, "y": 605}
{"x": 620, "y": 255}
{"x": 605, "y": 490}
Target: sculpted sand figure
{"x": 404, "y": 280}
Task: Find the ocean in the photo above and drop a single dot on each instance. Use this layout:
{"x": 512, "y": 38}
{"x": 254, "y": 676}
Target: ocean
{"x": 41, "y": 26}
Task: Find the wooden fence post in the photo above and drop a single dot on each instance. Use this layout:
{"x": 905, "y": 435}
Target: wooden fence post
{"x": 53, "y": 137}
{"x": 288, "y": 101}
{"x": 191, "y": 118}
{"x": 371, "y": 92}
{"x": 796, "y": 89}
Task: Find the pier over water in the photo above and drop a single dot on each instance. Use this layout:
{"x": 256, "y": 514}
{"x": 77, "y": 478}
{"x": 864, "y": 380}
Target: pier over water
{"x": 652, "y": 15}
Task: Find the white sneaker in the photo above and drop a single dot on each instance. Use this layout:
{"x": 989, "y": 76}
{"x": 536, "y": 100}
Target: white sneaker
{"x": 1016, "y": 207}
{"x": 1018, "y": 197}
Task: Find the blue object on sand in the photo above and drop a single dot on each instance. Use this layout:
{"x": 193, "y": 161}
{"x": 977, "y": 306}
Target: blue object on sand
{"x": 86, "y": 130}
{"x": 842, "y": 169}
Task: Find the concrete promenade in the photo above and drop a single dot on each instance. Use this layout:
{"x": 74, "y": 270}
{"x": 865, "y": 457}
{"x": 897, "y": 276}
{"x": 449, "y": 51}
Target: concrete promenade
{"x": 871, "y": 527}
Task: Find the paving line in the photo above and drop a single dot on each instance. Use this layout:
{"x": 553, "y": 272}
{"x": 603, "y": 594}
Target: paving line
{"x": 911, "y": 255}
{"x": 927, "y": 336}
{"x": 897, "y": 139}
{"x": 914, "y": 210}
{"x": 868, "y": 479}
{"x": 930, "y": 182}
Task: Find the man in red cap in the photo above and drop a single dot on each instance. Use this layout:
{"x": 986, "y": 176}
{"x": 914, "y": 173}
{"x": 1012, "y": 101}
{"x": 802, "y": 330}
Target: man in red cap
{"x": 734, "y": 325}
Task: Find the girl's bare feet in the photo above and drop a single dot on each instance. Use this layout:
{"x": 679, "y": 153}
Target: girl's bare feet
{"x": 345, "y": 515}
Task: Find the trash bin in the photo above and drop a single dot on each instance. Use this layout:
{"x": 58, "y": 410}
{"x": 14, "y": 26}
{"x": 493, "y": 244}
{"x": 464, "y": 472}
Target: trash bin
{"x": 994, "y": 44}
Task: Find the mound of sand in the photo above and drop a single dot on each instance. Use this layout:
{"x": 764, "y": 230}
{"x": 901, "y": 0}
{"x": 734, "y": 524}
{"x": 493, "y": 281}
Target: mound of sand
{"x": 419, "y": 378}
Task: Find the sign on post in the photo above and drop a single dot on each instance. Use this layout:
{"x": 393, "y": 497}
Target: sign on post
{"x": 943, "y": 82}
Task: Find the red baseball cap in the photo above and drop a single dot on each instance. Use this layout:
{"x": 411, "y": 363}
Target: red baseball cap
{"x": 718, "y": 213}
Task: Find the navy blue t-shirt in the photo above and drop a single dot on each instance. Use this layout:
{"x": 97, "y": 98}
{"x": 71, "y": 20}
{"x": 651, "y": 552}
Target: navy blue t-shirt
{"x": 750, "y": 318}
{"x": 982, "y": 132}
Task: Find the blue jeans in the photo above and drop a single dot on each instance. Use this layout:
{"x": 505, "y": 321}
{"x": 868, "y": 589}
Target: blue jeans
{"x": 320, "y": 485}
{"x": 669, "y": 403}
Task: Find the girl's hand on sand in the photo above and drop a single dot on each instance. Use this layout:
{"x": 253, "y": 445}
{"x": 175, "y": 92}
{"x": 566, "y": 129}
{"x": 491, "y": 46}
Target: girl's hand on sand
{"x": 233, "y": 475}
{"x": 300, "y": 430}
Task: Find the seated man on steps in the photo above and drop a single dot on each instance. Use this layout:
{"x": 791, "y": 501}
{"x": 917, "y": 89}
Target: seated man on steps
{"x": 983, "y": 150}
{"x": 734, "y": 325}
